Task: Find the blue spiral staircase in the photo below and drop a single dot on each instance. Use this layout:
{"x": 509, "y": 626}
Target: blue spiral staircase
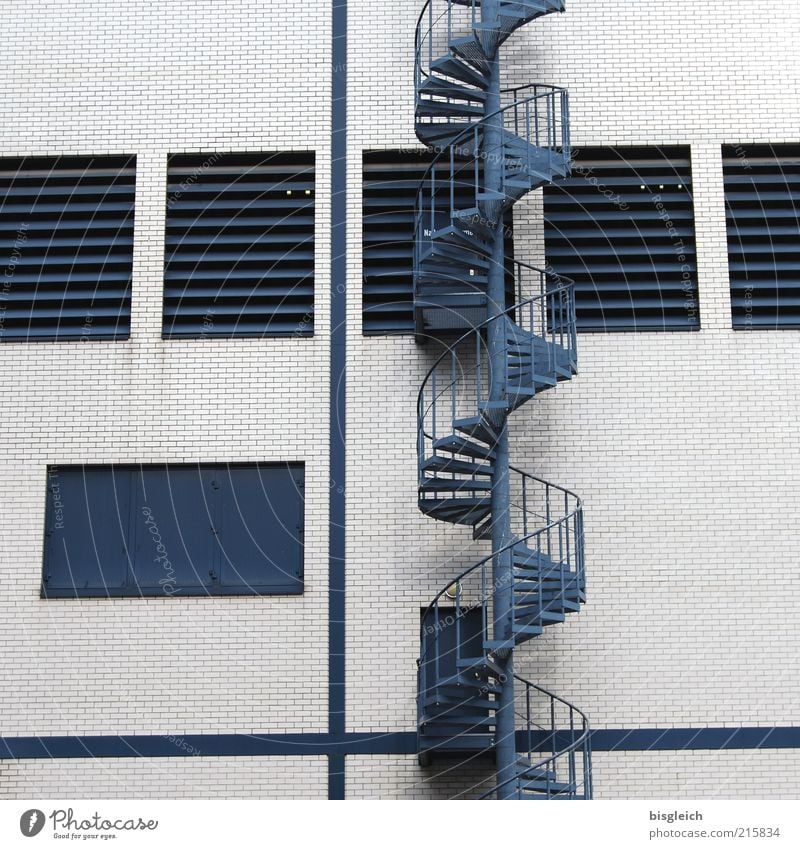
{"x": 492, "y": 146}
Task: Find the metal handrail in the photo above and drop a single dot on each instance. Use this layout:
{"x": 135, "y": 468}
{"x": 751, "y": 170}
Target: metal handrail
{"x": 540, "y": 120}
{"x": 565, "y": 284}
{"x": 518, "y": 541}
{"x": 419, "y": 38}
{"x": 583, "y": 742}
{"x": 538, "y": 117}
{"x": 551, "y": 91}
{"x": 566, "y": 338}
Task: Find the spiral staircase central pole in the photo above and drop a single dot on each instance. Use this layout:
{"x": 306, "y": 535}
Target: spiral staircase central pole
{"x": 505, "y": 748}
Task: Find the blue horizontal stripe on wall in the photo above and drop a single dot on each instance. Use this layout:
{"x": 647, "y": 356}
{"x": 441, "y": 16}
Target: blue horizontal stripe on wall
{"x": 214, "y": 745}
{"x": 677, "y": 739}
{"x": 397, "y": 743}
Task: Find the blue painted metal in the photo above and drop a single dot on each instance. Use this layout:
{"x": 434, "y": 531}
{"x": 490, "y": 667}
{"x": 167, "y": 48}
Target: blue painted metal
{"x": 390, "y": 182}
{"x": 337, "y": 549}
{"x": 66, "y": 244}
{"x": 622, "y": 227}
{"x": 491, "y": 154}
{"x": 174, "y": 530}
{"x": 176, "y": 745}
{"x": 239, "y": 245}
{"x": 762, "y": 205}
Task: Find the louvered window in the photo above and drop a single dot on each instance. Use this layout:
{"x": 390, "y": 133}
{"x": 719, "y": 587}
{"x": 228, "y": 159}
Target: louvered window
{"x": 390, "y": 182}
{"x": 240, "y": 245}
{"x": 762, "y": 200}
{"x": 66, "y": 226}
{"x": 622, "y": 227}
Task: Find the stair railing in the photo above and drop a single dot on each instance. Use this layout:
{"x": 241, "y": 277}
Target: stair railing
{"x": 558, "y": 542}
{"x": 452, "y": 183}
{"x": 457, "y": 384}
{"x": 565, "y": 732}
{"x": 435, "y": 27}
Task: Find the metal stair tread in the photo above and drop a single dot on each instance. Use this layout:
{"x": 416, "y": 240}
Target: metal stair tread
{"x": 461, "y": 445}
{"x": 454, "y": 485}
{"x": 451, "y": 66}
{"x": 439, "y": 463}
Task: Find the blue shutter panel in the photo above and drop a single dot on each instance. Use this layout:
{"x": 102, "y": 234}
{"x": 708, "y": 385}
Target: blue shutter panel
{"x": 762, "y": 201}
{"x": 87, "y": 525}
{"x": 622, "y": 227}
{"x": 173, "y": 528}
{"x": 239, "y": 245}
{"x": 66, "y": 242}
{"x": 261, "y": 528}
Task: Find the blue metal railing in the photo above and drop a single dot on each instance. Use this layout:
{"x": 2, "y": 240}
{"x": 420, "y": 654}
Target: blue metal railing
{"x": 458, "y": 381}
{"x": 567, "y": 772}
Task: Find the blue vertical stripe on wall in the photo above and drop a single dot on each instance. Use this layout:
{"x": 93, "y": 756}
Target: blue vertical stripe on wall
{"x": 337, "y": 489}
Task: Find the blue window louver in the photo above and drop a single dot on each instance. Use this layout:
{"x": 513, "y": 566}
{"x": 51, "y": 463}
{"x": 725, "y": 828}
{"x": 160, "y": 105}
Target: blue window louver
{"x": 239, "y": 245}
{"x": 622, "y": 227}
{"x": 66, "y": 227}
{"x": 173, "y": 530}
{"x": 762, "y": 205}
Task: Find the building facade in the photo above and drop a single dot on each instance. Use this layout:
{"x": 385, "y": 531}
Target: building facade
{"x": 683, "y": 445}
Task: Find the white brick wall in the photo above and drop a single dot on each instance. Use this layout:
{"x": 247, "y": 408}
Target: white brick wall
{"x": 762, "y": 774}
{"x": 684, "y": 446}
{"x": 400, "y": 777}
{"x": 150, "y": 79}
{"x": 194, "y": 777}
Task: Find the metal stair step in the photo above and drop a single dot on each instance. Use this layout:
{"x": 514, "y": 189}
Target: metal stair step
{"x": 478, "y": 428}
{"x": 549, "y": 596}
{"x": 434, "y": 741}
{"x": 530, "y": 773}
{"x": 469, "y": 49}
{"x": 460, "y": 235}
{"x": 439, "y": 133}
{"x": 483, "y": 531}
{"x": 439, "y": 463}
{"x": 454, "y": 685}
{"x": 452, "y": 66}
{"x": 536, "y": 615}
{"x": 438, "y": 280}
{"x": 499, "y": 648}
{"x": 443, "y": 109}
{"x": 526, "y": 632}
{"x": 561, "y": 788}
{"x": 470, "y": 702}
{"x": 453, "y": 717}
{"x": 526, "y": 391}
{"x": 445, "y": 88}
{"x": 474, "y": 218}
{"x": 454, "y": 485}
{"x": 461, "y": 445}
{"x": 453, "y": 254}
{"x": 457, "y": 511}
{"x": 524, "y": 585}
{"x": 485, "y": 665}
{"x": 569, "y": 601}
